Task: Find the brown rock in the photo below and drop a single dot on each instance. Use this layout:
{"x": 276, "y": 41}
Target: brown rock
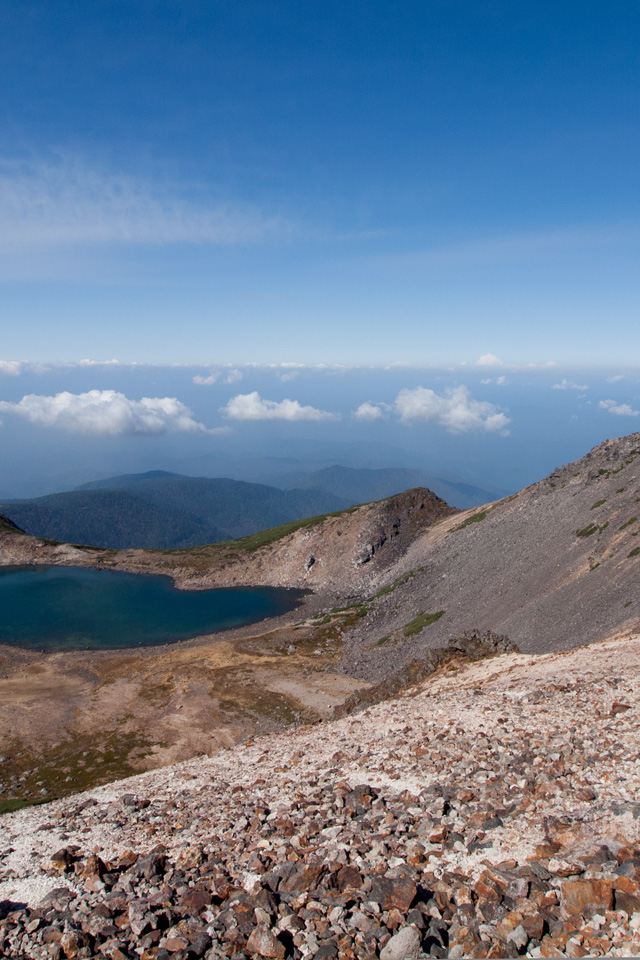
{"x": 534, "y": 925}
{"x": 586, "y": 793}
{"x": 62, "y": 860}
{"x": 349, "y": 878}
{"x": 265, "y": 944}
{"x": 496, "y": 950}
{"x": 586, "y": 896}
{"x": 575, "y": 949}
{"x": 393, "y": 893}
{"x": 549, "y": 948}
{"x": 486, "y": 888}
{"x": 302, "y": 880}
{"x": 173, "y": 944}
{"x": 194, "y": 902}
{"x": 440, "y": 834}
{"x": 70, "y": 945}
{"x": 618, "y": 707}
{"x": 93, "y": 867}
{"x": 627, "y": 895}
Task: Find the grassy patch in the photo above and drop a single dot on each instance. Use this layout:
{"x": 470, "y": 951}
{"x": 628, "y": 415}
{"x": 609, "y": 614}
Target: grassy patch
{"x": 628, "y": 523}
{"x": 598, "y": 503}
{"x": 420, "y": 622}
{"x": 78, "y": 763}
{"x": 381, "y": 642}
{"x": 476, "y": 518}
{"x": 265, "y": 537}
{"x": 588, "y": 531}
{"x": 8, "y": 526}
{"x": 396, "y": 583}
{"x": 621, "y": 489}
{"x": 635, "y": 552}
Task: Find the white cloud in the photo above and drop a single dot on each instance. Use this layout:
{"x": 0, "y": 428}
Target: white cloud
{"x": 489, "y": 360}
{"x": 502, "y": 381}
{"x": 62, "y": 201}
{"x": 620, "y": 409}
{"x": 569, "y": 385}
{"x": 105, "y": 412}
{"x": 206, "y": 381}
{"x": 251, "y": 406}
{"x": 98, "y": 363}
{"x": 234, "y": 376}
{"x": 369, "y": 411}
{"x": 11, "y": 368}
{"x": 456, "y": 410}
{"x": 615, "y": 378}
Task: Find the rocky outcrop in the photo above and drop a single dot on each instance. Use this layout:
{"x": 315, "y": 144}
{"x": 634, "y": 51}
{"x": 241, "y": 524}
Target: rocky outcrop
{"x": 471, "y": 646}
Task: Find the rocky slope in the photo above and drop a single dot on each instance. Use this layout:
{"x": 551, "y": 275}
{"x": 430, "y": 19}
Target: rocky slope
{"x": 493, "y": 813}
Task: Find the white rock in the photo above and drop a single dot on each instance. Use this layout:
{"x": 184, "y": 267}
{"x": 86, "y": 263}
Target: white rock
{"x": 405, "y": 945}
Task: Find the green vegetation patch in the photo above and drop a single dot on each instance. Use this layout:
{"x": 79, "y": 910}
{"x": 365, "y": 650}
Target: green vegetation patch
{"x": 8, "y": 526}
{"x": 396, "y": 583}
{"x": 420, "y": 622}
{"x": 635, "y": 552}
{"x": 476, "y": 518}
{"x": 80, "y": 762}
{"x": 628, "y": 523}
{"x": 588, "y": 531}
{"x": 598, "y": 503}
{"x": 265, "y": 537}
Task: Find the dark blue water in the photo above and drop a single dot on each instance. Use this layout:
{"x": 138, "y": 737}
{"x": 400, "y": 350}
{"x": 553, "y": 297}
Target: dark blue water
{"x": 75, "y": 608}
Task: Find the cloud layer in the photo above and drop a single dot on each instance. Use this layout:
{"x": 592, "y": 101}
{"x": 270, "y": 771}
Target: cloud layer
{"x": 105, "y": 412}
{"x": 63, "y": 201}
{"x": 10, "y": 368}
{"x": 251, "y": 406}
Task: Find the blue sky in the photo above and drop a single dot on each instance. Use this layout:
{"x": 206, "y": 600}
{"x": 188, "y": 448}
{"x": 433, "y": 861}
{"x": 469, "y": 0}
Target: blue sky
{"x": 356, "y": 182}
{"x": 411, "y": 230}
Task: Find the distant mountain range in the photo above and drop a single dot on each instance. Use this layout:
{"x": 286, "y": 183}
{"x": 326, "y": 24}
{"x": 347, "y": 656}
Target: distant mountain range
{"x": 160, "y": 510}
{"x": 364, "y": 485}
{"x": 163, "y": 510}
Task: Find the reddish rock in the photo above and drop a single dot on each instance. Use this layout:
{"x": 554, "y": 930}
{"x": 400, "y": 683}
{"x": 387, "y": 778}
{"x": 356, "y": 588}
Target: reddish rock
{"x": 302, "y": 880}
{"x": 534, "y": 924}
{"x": 586, "y": 793}
{"x": 349, "y": 878}
{"x": 174, "y": 944}
{"x": 393, "y": 893}
{"x": 586, "y": 896}
{"x": 627, "y": 895}
{"x": 618, "y": 707}
{"x": 487, "y": 888}
{"x": 575, "y": 949}
{"x": 195, "y": 901}
{"x": 549, "y": 948}
{"x": 93, "y": 867}
{"x": 440, "y": 834}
